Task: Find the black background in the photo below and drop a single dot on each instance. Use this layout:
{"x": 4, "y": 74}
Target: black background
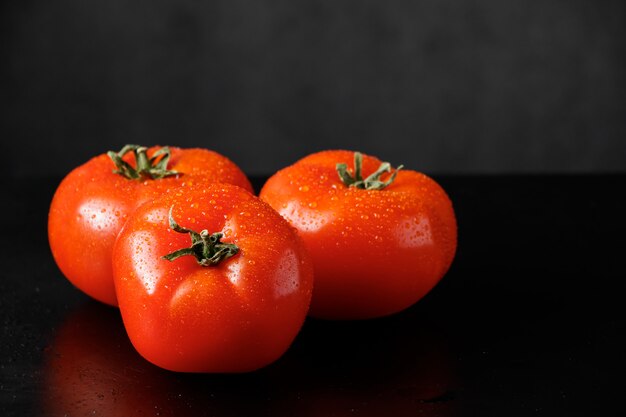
{"x": 443, "y": 86}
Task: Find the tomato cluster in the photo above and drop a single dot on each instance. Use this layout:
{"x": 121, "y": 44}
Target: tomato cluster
{"x": 210, "y": 278}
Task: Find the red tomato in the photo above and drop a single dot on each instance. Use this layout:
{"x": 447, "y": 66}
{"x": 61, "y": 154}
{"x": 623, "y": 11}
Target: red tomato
{"x": 378, "y": 244}
{"x": 92, "y": 203}
{"x": 230, "y": 306}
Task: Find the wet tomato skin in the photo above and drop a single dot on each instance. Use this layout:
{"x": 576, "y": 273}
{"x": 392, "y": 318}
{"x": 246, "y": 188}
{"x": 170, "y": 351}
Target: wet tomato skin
{"x": 92, "y": 203}
{"x": 375, "y": 252}
{"x": 236, "y": 316}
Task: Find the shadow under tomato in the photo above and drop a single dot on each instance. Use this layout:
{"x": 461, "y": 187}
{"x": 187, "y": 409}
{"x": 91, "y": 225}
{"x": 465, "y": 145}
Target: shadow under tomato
{"x": 399, "y": 365}
{"x": 393, "y": 366}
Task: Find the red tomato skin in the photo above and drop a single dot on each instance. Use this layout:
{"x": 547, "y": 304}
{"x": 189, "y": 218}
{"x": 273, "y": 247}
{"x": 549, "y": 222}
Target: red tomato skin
{"x": 91, "y": 205}
{"x": 375, "y": 252}
{"x": 237, "y": 316}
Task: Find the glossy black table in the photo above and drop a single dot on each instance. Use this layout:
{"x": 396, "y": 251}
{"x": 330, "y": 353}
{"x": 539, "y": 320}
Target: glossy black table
{"x": 526, "y": 323}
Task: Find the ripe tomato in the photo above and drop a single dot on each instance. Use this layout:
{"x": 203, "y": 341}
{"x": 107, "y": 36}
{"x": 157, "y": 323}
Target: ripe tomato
{"x": 92, "y": 203}
{"x": 378, "y": 244}
{"x": 217, "y": 306}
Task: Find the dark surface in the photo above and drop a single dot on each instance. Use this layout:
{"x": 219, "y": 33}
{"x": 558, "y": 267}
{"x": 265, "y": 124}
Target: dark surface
{"x": 526, "y": 323}
{"x": 444, "y": 85}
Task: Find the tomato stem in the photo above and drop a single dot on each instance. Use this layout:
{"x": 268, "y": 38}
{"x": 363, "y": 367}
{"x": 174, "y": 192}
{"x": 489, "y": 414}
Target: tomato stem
{"x": 373, "y": 181}
{"x": 147, "y": 168}
{"x": 206, "y": 248}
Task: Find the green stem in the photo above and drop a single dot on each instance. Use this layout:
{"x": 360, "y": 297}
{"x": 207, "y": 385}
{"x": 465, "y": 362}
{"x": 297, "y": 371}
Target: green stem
{"x": 147, "y": 168}
{"x": 206, "y": 248}
{"x": 372, "y": 182}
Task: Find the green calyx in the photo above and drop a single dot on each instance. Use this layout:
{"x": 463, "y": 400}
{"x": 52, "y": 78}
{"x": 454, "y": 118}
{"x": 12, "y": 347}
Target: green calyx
{"x": 372, "y": 182}
{"x": 153, "y": 168}
{"x": 206, "y": 248}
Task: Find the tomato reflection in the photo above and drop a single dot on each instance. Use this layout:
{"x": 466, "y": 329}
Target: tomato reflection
{"x": 394, "y": 366}
{"x": 91, "y": 369}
